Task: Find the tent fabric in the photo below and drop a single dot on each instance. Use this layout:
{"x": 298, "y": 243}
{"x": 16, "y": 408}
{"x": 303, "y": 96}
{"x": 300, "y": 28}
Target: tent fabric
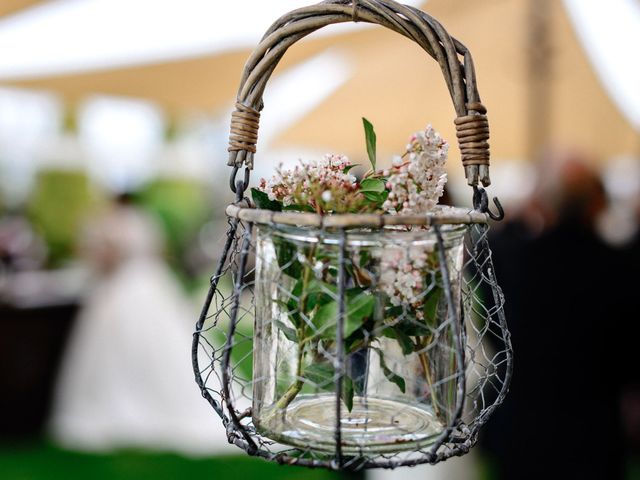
{"x": 399, "y": 88}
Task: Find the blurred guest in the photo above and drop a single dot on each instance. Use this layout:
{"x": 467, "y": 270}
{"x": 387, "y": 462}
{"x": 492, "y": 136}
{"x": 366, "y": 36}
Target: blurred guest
{"x": 127, "y": 380}
{"x": 629, "y": 338}
{"x": 20, "y": 247}
{"x": 563, "y": 290}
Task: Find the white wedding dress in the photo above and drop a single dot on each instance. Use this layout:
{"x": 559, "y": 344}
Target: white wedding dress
{"x": 126, "y": 379}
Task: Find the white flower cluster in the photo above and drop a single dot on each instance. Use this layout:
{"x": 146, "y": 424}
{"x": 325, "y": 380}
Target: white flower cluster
{"x": 403, "y": 269}
{"x": 416, "y": 184}
{"x": 301, "y": 184}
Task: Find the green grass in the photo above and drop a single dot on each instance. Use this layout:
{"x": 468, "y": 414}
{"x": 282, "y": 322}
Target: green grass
{"x": 44, "y": 461}
{"x": 633, "y": 469}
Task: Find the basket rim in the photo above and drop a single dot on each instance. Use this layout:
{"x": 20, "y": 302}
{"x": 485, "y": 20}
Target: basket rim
{"x": 443, "y": 215}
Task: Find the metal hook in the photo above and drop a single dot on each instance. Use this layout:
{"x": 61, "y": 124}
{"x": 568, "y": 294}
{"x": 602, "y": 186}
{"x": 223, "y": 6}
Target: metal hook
{"x": 232, "y": 179}
{"x": 239, "y": 191}
{"x": 481, "y": 203}
{"x": 500, "y": 215}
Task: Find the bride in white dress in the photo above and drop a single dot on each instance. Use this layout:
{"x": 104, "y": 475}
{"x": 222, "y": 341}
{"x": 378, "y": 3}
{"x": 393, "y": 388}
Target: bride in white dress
{"x": 126, "y": 379}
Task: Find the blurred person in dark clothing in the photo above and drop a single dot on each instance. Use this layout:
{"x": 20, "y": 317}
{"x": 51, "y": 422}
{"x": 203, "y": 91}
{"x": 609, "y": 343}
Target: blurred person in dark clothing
{"x": 629, "y": 337}
{"x": 564, "y": 305}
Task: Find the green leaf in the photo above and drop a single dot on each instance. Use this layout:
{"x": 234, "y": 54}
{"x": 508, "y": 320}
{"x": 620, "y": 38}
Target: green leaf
{"x": 349, "y": 167}
{"x": 404, "y": 340}
{"x": 294, "y": 296}
{"x": 370, "y": 138}
{"x": 320, "y": 374}
{"x": 325, "y": 319}
{"x": 358, "y": 308}
{"x": 397, "y": 379}
{"x": 289, "y": 332}
{"x": 324, "y": 377}
{"x": 365, "y": 257}
{"x": 262, "y": 201}
{"x": 413, "y": 327}
{"x": 394, "y": 312}
{"x": 298, "y": 208}
{"x": 286, "y": 253}
{"x": 405, "y": 322}
{"x": 376, "y": 197}
{"x": 430, "y": 306}
{"x": 293, "y": 304}
{"x": 316, "y": 293}
{"x": 319, "y": 293}
{"x": 294, "y": 314}
{"x": 372, "y": 185}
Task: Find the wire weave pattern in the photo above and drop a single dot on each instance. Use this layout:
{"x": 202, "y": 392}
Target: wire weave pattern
{"x": 223, "y": 354}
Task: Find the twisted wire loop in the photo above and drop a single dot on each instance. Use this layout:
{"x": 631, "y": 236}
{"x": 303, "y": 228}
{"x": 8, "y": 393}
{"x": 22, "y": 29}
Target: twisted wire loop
{"x": 472, "y": 131}
{"x": 245, "y": 122}
{"x": 453, "y": 57}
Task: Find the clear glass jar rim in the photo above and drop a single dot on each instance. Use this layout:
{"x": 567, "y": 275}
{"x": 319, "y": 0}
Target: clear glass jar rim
{"x": 441, "y": 215}
{"x": 451, "y": 233}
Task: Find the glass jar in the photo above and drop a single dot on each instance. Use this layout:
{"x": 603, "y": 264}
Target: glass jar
{"x": 399, "y": 388}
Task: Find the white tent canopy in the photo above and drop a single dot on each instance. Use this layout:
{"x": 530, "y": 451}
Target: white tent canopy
{"x": 606, "y": 30}
{"x": 82, "y": 35}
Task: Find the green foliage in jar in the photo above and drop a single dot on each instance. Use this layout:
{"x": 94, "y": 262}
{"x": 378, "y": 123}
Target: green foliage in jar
{"x": 391, "y": 292}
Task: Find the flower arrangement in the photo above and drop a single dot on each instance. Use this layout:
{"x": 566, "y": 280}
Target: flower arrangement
{"x": 394, "y": 290}
{"x": 412, "y": 185}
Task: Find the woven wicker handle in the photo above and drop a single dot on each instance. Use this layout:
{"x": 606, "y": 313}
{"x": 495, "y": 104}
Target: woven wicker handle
{"x": 471, "y": 123}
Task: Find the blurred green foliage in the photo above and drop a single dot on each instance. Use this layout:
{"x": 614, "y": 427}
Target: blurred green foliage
{"x": 182, "y": 206}
{"x": 62, "y": 200}
{"x": 39, "y": 462}
{"x": 60, "y": 204}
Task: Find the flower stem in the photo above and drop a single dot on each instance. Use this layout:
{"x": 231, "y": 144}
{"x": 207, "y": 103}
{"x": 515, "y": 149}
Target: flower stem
{"x": 295, "y": 387}
{"x": 424, "y": 361}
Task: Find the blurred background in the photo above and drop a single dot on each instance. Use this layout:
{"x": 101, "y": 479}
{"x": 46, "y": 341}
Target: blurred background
{"x": 114, "y": 117}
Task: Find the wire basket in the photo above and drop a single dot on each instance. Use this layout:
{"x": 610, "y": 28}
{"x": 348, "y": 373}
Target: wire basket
{"x": 311, "y": 346}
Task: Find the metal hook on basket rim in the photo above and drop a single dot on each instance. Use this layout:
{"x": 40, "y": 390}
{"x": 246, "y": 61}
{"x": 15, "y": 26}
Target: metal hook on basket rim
{"x": 481, "y": 203}
{"x": 245, "y": 182}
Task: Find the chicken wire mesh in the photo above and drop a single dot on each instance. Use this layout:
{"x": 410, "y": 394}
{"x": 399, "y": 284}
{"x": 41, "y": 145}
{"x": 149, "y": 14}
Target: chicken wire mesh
{"x": 383, "y": 388}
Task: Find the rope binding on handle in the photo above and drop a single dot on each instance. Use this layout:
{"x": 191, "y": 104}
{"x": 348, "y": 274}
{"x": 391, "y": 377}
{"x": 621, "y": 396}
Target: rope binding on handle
{"x": 245, "y": 122}
{"x": 472, "y": 131}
